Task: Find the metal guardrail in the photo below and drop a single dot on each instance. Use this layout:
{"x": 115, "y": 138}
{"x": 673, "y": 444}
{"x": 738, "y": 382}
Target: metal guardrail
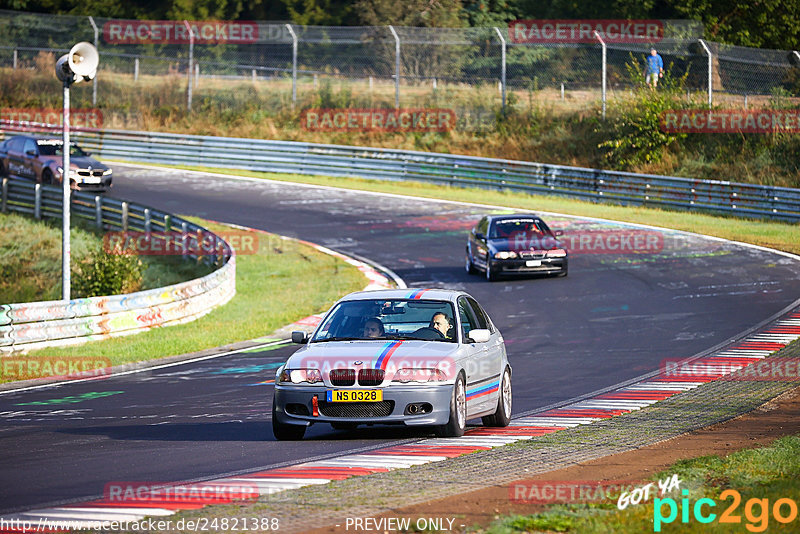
{"x": 730, "y": 198}
{"x": 34, "y": 325}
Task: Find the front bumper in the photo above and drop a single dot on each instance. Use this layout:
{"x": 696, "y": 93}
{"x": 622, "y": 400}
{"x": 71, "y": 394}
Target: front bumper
{"x": 521, "y": 266}
{"x": 293, "y": 405}
{"x": 102, "y": 185}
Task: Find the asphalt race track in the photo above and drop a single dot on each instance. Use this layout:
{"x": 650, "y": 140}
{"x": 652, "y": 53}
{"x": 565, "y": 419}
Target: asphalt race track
{"x": 615, "y": 317}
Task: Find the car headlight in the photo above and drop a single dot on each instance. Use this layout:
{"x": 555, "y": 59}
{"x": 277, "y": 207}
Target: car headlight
{"x": 72, "y": 172}
{"x": 106, "y": 172}
{"x": 556, "y": 253}
{"x": 298, "y": 376}
{"x": 411, "y": 374}
{"x": 505, "y": 255}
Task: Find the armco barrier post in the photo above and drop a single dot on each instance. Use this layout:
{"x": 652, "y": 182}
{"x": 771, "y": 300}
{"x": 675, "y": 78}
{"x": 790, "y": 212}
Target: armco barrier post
{"x": 184, "y": 230}
{"x": 5, "y": 195}
{"x": 37, "y": 201}
{"x": 124, "y": 216}
{"x": 98, "y": 212}
{"x": 147, "y": 221}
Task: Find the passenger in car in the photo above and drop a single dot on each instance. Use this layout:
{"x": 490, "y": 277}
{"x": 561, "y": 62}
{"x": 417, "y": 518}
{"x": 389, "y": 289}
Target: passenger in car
{"x": 373, "y": 328}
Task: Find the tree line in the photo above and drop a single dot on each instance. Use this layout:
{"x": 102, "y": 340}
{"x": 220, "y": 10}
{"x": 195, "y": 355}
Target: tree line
{"x": 756, "y": 23}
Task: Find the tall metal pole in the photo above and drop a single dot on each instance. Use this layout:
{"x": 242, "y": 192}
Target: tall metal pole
{"x": 603, "y": 44}
{"x": 294, "y": 63}
{"x": 94, "y": 81}
{"x": 710, "y": 66}
{"x": 503, "y": 67}
{"x": 396, "y": 68}
{"x": 191, "y": 61}
{"x": 65, "y": 175}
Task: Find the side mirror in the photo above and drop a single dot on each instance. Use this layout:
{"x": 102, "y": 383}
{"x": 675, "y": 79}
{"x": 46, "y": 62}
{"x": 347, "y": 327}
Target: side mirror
{"x": 479, "y": 335}
{"x": 478, "y": 235}
{"x": 299, "y": 337}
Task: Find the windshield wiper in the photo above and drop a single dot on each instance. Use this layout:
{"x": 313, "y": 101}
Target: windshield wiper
{"x": 341, "y": 338}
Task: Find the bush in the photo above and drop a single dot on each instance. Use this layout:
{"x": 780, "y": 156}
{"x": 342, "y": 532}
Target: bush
{"x": 633, "y": 128}
{"x": 103, "y": 273}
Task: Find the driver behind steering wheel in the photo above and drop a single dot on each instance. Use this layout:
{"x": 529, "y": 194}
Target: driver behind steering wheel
{"x": 441, "y": 323}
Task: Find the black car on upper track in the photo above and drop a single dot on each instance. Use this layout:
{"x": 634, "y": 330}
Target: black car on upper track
{"x": 519, "y": 244}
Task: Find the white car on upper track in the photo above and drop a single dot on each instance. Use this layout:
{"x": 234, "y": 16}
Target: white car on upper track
{"x": 400, "y": 356}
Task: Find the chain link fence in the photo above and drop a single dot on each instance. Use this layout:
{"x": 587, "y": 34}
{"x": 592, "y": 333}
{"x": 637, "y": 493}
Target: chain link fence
{"x": 387, "y": 66}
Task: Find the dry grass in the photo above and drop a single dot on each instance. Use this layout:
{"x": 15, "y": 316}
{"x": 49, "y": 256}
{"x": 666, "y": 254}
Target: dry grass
{"x": 540, "y": 125}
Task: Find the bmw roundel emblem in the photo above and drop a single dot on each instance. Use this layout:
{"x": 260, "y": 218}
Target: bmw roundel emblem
{"x": 357, "y": 362}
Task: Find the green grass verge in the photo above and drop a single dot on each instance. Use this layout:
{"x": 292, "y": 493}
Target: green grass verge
{"x": 756, "y": 474}
{"x": 282, "y": 282}
{"x": 781, "y": 236}
{"x": 30, "y": 259}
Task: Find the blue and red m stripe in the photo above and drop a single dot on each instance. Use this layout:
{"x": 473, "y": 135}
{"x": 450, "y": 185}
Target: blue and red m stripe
{"x": 386, "y": 353}
{"x": 483, "y": 390}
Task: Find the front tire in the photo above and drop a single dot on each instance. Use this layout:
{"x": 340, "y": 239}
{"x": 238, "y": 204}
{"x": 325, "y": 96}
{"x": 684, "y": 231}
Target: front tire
{"x": 469, "y": 266}
{"x": 47, "y": 177}
{"x": 502, "y": 417}
{"x": 457, "y": 423}
{"x": 284, "y": 432}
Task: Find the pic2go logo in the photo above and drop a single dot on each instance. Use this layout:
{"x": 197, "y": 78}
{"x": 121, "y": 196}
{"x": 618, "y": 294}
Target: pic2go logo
{"x": 756, "y": 511}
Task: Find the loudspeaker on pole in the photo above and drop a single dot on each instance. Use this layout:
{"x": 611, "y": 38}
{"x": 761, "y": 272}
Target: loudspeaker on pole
{"x": 79, "y": 64}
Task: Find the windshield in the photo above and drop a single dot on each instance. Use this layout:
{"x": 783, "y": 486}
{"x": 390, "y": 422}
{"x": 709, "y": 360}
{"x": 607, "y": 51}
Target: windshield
{"x": 527, "y": 227}
{"x": 427, "y": 320}
{"x": 49, "y": 147}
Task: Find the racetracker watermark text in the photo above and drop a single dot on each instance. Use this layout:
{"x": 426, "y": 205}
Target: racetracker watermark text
{"x": 198, "y": 492}
{"x": 583, "y": 31}
{"x": 730, "y": 121}
{"x": 176, "y": 32}
{"x": 78, "y": 118}
{"x": 58, "y": 367}
{"x": 566, "y": 491}
{"x": 770, "y": 369}
{"x": 180, "y": 243}
{"x": 378, "y": 120}
{"x": 592, "y": 242}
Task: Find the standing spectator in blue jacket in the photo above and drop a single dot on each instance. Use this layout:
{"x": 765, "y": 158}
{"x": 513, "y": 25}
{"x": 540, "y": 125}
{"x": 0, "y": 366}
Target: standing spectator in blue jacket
{"x": 654, "y": 69}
